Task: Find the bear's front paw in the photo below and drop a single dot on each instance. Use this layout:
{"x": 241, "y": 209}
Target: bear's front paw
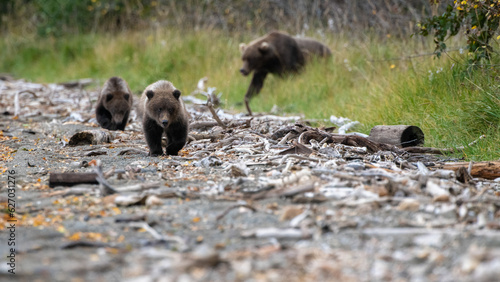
{"x": 156, "y": 154}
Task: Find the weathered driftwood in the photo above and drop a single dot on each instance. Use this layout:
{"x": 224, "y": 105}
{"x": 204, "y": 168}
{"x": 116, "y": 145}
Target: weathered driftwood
{"x": 72, "y": 178}
{"x": 487, "y": 170}
{"x": 93, "y": 137}
{"x": 225, "y": 212}
{"x": 214, "y": 114}
{"x": 212, "y": 137}
{"x": 359, "y": 141}
{"x": 272, "y": 232}
{"x": 399, "y": 135}
{"x": 202, "y": 125}
{"x": 308, "y": 133}
{"x": 429, "y": 150}
{"x": 297, "y": 148}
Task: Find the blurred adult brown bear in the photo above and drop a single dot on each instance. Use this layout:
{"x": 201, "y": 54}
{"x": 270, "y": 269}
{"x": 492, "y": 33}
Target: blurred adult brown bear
{"x": 114, "y": 104}
{"x": 277, "y": 53}
{"x": 163, "y": 112}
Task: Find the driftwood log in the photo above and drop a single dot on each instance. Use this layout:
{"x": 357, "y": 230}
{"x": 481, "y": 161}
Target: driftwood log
{"x": 487, "y": 170}
{"x": 93, "y": 137}
{"x": 399, "y": 135}
{"x": 72, "y": 178}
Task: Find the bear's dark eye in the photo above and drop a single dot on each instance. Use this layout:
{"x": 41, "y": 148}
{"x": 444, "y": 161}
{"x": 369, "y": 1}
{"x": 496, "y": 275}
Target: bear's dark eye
{"x": 159, "y": 110}
{"x": 109, "y": 97}
{"x": 126, "y": 96}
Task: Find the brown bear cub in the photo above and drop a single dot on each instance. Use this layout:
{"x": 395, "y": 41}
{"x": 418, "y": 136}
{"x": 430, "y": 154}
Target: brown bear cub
{"x": 163, "y": 111}
{"x": 114, "y": 104}
{"x": 277, "y": 53}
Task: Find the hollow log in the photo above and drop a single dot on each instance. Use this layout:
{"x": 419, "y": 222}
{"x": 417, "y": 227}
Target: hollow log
{"x": 72, "y": 178}
{"x": 399, "y": 135}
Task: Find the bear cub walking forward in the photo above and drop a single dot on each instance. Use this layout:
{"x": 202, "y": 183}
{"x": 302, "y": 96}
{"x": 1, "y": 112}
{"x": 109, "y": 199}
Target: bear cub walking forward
{"x": 277, "y": 53}
{"x": 163, "y": 111}
{"x": 114, "y": 104}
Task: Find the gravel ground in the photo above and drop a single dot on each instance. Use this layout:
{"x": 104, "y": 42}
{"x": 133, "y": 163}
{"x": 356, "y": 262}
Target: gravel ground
{"x": 233, "y": 206}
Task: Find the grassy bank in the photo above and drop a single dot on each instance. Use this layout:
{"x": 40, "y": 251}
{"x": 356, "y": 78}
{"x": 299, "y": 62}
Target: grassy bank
{"x": 358, "y": 82}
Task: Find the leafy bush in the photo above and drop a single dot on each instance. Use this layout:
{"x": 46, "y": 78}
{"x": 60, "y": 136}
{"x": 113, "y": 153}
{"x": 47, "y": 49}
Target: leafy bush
{"x": 479, "y": 18}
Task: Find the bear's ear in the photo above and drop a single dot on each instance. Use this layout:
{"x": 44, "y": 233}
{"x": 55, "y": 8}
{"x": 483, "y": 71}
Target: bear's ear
{"x": 243, "y": 47}
{"x": 150, "y": 94}
{"x": 177, "y": 93}
{"x": 264, "y": 46}
{"x": 109, "y": 97}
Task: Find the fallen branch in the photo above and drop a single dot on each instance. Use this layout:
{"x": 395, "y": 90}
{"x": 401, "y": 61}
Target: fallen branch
{"x": 271, "y": 232}
{"x": 297, "y": 148}
{"x": 286, "y": 192}
{"x": 212, "y": 137}
{"x": 202, "y": 125}
{"x": 72, "y": 178}
{"x": 138, "y": 187}
{"x": 214, "y": 114}
{"x": 487, "y": 170}
{"x": 157, "y": 236}
{"x": 106, "y": 188}
{"x": 224, "y": 213}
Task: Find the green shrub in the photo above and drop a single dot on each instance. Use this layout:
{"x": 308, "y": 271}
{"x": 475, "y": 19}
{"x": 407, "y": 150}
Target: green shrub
{"x": 479, "y": 19}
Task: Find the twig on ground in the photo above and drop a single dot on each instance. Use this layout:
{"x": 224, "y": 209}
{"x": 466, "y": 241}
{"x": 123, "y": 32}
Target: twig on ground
{"x": 224, "y": 213}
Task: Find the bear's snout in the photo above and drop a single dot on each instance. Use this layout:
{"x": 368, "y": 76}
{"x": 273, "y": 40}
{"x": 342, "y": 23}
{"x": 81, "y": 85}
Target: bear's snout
{"x": 164, "y": 123}
{"x": 244, "y": 71}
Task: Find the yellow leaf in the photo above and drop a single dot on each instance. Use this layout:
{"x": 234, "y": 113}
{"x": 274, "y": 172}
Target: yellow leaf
{"x": 474, "y": 27}
{"x": 196, "y": 219}
{"x": 61, "y": 229}
{"x": 393, "y": 66}
{"x": 116, "y": 210}
{"x": 94, "y": 236}
{"x": 113, "y": 251}
{"x": 75, "y": 237}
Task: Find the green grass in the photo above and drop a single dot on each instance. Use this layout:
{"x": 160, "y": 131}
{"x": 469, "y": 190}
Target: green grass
{"x": 358, "y": 82}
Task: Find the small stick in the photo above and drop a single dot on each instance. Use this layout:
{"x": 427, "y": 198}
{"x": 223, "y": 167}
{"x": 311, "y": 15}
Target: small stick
{"x": 106, "y": 188}
{"x": 285, "y": 138}
{"x": 216, "y": 117}
{"x": 224, "y": 213}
